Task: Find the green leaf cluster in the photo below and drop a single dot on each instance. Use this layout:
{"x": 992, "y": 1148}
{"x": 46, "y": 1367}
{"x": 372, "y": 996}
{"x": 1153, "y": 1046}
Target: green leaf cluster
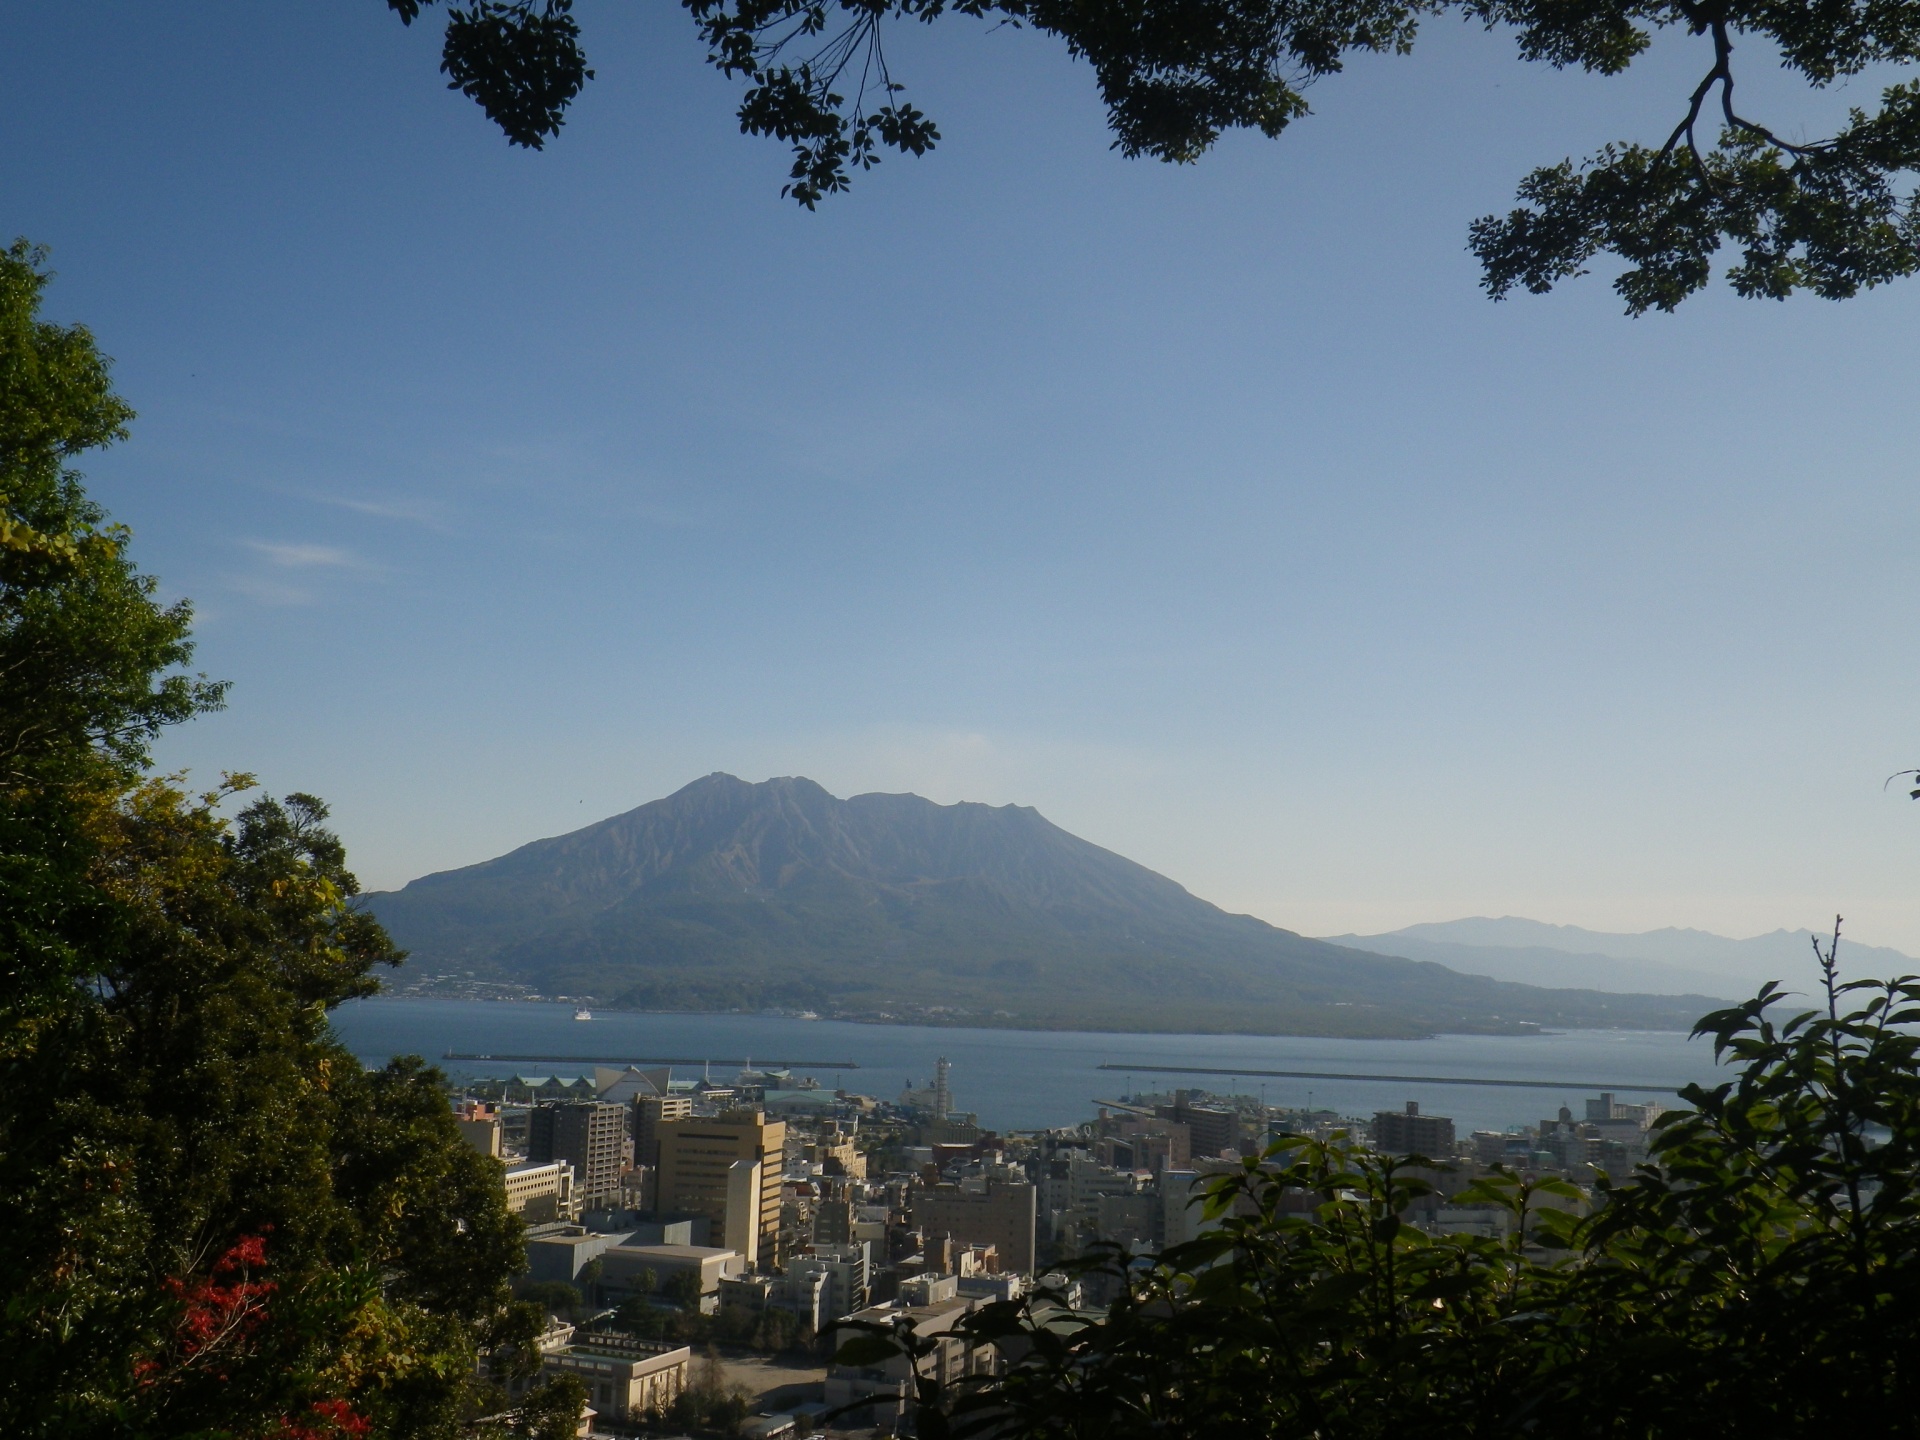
{"x": 769, "y": 1331}
{"x": 213, "y": 1220}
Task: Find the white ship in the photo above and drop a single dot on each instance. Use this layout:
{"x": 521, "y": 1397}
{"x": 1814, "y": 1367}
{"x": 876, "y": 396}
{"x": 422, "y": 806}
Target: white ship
{"x": 583, "y": 1014}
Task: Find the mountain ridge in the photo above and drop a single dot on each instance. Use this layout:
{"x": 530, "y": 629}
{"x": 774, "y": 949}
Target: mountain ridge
{"x": 735, "y": 895}
{"x": 1513, "y": 947}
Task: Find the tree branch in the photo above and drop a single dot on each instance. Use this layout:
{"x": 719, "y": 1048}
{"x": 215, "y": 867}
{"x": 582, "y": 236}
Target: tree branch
{"x": 1723, "y": 51}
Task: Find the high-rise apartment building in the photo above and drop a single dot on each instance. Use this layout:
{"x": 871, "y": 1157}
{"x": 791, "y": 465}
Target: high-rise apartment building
{"x": 696, "y": 1174}
{"x": 1211, "y": 1129}
{"x": 833, "y": 1222}
{"x": 1408, "y": 1132}
{"x": 1001, "y": 1215}
{"x": 650, "y": 1112}
{"x": 849, "y": 1273}
{"x": 942, "y": 1090}
{"x": 590, "y": 1136}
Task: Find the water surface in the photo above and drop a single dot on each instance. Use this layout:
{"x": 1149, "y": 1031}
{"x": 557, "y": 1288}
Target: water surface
{"x": 1029, "y": 1079}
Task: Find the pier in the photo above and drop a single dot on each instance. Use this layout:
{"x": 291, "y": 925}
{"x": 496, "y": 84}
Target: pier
{"x": 653, "y": 1060}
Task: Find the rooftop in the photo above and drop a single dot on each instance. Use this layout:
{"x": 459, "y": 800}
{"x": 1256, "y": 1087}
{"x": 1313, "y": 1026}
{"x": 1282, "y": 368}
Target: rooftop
{"x": 575, "y": 1240}
{"x": 688, "y": 1253}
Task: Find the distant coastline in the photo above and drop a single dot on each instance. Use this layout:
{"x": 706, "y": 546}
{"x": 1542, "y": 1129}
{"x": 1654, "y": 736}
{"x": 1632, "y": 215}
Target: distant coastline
{"x": 953, "y": 1018}
{"x": 1023, "y": 1078}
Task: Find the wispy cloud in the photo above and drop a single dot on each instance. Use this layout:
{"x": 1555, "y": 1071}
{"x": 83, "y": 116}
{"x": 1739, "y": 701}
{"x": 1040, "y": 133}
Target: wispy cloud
{"x": 306, "y": 557}
{"x": 416, "y": 512}
{"x": 292, "y": 572}
{"x": 270, "y": 592}
{"x": 583, "y": 474}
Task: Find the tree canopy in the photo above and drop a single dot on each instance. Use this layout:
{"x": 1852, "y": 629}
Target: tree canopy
{"x": 213, "y": 1219}
{"x": 1827, "y": 215}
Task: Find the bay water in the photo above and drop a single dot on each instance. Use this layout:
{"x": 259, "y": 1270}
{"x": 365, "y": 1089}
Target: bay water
{"x": 1033, "y": 1079}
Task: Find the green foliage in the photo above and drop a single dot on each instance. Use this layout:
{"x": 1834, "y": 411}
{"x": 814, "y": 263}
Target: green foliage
{"x": 643, "y": 1318}
{"x": 216, "y": 1221}
{"x": 706, "y": 1406}
{"x": 1760, "y": 1276}
{"x": 89, "y": 662}
{"x": 521, "y": 65}
{"x": 683, "y": 1288}
{"x": 708, "y": 1403}
{"x": 1825, "y": 215}
{"x": 551, "y": 1411}
{"x": 768, "y": 1331}
{"x": 556, "y": 1296}
{"x": 1774, "y": 1259}
{"x": 87, "y": 657}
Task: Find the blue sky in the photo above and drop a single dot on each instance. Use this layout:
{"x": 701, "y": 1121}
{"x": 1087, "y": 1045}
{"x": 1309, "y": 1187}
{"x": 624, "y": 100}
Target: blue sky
{"x": 1211, "y": 510}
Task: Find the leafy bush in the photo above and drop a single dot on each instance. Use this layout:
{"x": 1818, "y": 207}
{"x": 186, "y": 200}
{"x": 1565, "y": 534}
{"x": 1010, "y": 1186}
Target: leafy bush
{"x": 1759, "y": 1276}
{"x": 555, "y": 1296}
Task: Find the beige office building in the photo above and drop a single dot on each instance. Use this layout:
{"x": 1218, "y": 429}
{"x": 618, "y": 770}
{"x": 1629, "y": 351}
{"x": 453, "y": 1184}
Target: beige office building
{"x": 480, "y": 1127}
{"x": 650, "y": 1112}
{"x": 540, "y": 1194}
{"x": 624, "y": 1376}
{"x": 624, "y": 1268}
{"x": 697, "y": 1174}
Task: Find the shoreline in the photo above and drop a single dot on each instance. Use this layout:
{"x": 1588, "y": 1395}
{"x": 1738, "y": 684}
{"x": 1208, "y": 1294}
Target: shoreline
{"x": 1013, "y": 1026}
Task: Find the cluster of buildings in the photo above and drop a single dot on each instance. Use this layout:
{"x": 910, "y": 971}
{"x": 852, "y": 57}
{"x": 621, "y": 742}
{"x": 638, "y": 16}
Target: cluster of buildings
{"x": 766, "y": 1193}
{"x": 1611, "y": 1136}
{"x": 771, "y": 1193}
{"x": 1131, "y": 1176}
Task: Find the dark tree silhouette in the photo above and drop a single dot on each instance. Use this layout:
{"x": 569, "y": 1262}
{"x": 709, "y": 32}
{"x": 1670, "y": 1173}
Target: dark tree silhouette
{"x": 1827, "y": 215}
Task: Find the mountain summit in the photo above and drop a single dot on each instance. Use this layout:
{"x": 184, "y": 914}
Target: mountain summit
{"x": 728, "y": 895}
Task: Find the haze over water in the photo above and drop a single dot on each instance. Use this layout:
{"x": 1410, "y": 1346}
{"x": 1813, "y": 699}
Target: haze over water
{"x": 1031, "y": 1079}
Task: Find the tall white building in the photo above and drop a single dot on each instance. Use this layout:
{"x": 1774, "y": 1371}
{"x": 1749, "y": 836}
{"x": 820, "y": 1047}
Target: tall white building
{"x": 848, "y": 1270}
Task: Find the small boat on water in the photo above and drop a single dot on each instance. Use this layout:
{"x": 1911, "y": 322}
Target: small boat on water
{"x": 583, "y": 1014}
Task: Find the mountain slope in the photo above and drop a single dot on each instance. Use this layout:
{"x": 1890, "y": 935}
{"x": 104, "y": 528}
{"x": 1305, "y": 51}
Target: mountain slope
{"x": 1514, "y": 948}
{"x": 729, "y": 895}
{"x": 1541, "y": 965}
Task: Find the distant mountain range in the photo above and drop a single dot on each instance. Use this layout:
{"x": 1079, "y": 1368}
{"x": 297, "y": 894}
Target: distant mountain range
{"x": 1662, "y": 961}
{"x": 735, "y": 896}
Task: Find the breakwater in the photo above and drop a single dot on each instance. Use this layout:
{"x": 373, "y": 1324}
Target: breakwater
{"x": 499, "y": 1059}
{"x": 1619, "y": 1086}
{"x": 1032, "y": 1079}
